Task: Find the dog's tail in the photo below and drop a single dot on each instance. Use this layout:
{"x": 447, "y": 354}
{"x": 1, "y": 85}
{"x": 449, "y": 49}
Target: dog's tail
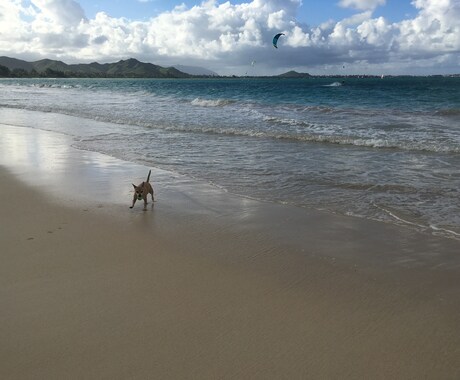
{"x": 148, "y": 177}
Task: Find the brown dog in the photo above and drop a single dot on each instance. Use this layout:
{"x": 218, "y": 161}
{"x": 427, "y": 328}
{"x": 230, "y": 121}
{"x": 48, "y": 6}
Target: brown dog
{"x": 141, "y": 192}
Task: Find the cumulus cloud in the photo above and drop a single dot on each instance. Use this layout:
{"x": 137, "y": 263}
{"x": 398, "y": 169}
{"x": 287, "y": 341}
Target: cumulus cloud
{"x": 226, "y": 37}
{"x": 62, "y": 12}
{"x": 13, "y": 28}
{"x": 435, "y": 30}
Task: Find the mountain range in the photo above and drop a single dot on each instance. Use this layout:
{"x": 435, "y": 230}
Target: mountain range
{"x": 130, "y": 68}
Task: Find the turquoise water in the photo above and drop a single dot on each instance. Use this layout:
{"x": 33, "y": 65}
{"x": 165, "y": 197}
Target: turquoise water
{"x": 385, "y": 149}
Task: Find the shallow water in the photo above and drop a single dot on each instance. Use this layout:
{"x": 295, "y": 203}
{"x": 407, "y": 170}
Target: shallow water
{"x": 385, "y": 149}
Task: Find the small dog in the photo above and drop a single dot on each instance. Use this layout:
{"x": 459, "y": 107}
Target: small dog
{"x": 141, "y": 192}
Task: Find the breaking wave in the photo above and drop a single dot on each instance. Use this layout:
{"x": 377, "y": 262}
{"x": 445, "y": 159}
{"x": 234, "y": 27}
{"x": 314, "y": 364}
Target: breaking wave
{"x": 211, "y": 102}
{"x": 333, "y": 84}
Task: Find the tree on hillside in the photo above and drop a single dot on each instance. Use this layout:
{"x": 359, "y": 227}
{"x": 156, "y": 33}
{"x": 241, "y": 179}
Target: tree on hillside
{"x": 19, "y": 73}
{"x": 50, "y": 73}
{"x": 4, "y": 71}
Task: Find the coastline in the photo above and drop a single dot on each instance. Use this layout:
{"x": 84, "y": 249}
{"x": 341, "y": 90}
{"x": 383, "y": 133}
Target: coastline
{"x": 206, "y": 284}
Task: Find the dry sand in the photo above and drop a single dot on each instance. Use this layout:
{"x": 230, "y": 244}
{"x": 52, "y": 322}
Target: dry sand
{"x": 206, "y": 285}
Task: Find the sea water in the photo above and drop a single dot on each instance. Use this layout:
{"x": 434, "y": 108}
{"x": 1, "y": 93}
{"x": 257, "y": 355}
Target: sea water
{"x": 384, "y": 149}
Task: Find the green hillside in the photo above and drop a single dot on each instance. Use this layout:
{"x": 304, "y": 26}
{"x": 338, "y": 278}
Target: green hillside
{"x": 130, "y": 68}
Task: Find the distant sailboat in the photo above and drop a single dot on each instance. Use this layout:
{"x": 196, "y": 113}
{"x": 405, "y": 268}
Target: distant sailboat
{"x": 383, "y": 76}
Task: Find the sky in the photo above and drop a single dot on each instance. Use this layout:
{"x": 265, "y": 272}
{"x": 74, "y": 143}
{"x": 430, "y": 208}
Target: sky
{"x": 235, "y": 37}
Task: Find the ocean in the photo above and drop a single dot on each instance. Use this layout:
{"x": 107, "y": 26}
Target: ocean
{"x": 383, "y": 149}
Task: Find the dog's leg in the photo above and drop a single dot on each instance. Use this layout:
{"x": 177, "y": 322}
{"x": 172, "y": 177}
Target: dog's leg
{"x": 134, "y": 200}
{"x": 145, "y": 202}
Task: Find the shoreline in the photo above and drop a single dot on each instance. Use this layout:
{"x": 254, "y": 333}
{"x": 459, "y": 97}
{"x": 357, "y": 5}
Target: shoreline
{"x": 206, "y": 284}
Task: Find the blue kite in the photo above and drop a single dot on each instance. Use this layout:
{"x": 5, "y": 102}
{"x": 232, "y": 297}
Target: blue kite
{"x": 275, "y": 39}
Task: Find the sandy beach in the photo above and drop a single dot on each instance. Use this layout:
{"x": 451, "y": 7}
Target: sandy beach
{"x": 205, "y": 284}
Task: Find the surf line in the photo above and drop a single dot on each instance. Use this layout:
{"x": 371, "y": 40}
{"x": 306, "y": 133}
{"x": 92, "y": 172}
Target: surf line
{"x": 457, "y": 235}
{"x": 454, "y": 235}
{"x": 398, "y": 218}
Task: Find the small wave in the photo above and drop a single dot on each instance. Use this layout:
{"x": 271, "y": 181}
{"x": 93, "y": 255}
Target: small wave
{"x": 211, "y": 102}
{"x": 285, "y": 121}
{"x": 320, "y": 109}
{"x": 54, "y": 85}
{"x": 314, "y": 138}
{"x": 379, "y": 143}
{"x": 333, "y": 84}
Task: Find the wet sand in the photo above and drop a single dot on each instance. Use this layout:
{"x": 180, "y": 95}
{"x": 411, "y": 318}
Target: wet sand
{"x": 205, "y": 284}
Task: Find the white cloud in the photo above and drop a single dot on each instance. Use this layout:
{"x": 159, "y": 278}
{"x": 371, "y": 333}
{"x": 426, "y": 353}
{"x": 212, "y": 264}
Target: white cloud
{"x": 13, "y": 28}
{"x": 226, "y": 36}
{"x": 376, "y": 32}
{"x": 361, "y": 4}
{"x": 62, "y": 12}
{"x": 435, "y": 30}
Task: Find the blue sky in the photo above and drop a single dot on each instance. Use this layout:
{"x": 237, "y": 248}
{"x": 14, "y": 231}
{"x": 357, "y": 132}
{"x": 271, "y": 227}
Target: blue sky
{"x": 321, "y": 37}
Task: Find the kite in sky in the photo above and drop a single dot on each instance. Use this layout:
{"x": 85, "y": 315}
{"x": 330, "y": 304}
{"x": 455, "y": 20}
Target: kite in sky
{"x": 275, "y": 39}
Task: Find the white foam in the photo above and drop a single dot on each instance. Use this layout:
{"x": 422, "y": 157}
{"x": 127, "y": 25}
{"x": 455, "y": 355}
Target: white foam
{"x": 211, "y": 102}
{"x": 333, "y": 84}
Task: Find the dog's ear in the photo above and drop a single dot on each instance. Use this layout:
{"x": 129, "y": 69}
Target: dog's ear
{"x": 134, "y": 185}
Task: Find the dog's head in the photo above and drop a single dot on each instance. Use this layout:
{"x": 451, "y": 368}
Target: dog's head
{"x": 139, "y": 190}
